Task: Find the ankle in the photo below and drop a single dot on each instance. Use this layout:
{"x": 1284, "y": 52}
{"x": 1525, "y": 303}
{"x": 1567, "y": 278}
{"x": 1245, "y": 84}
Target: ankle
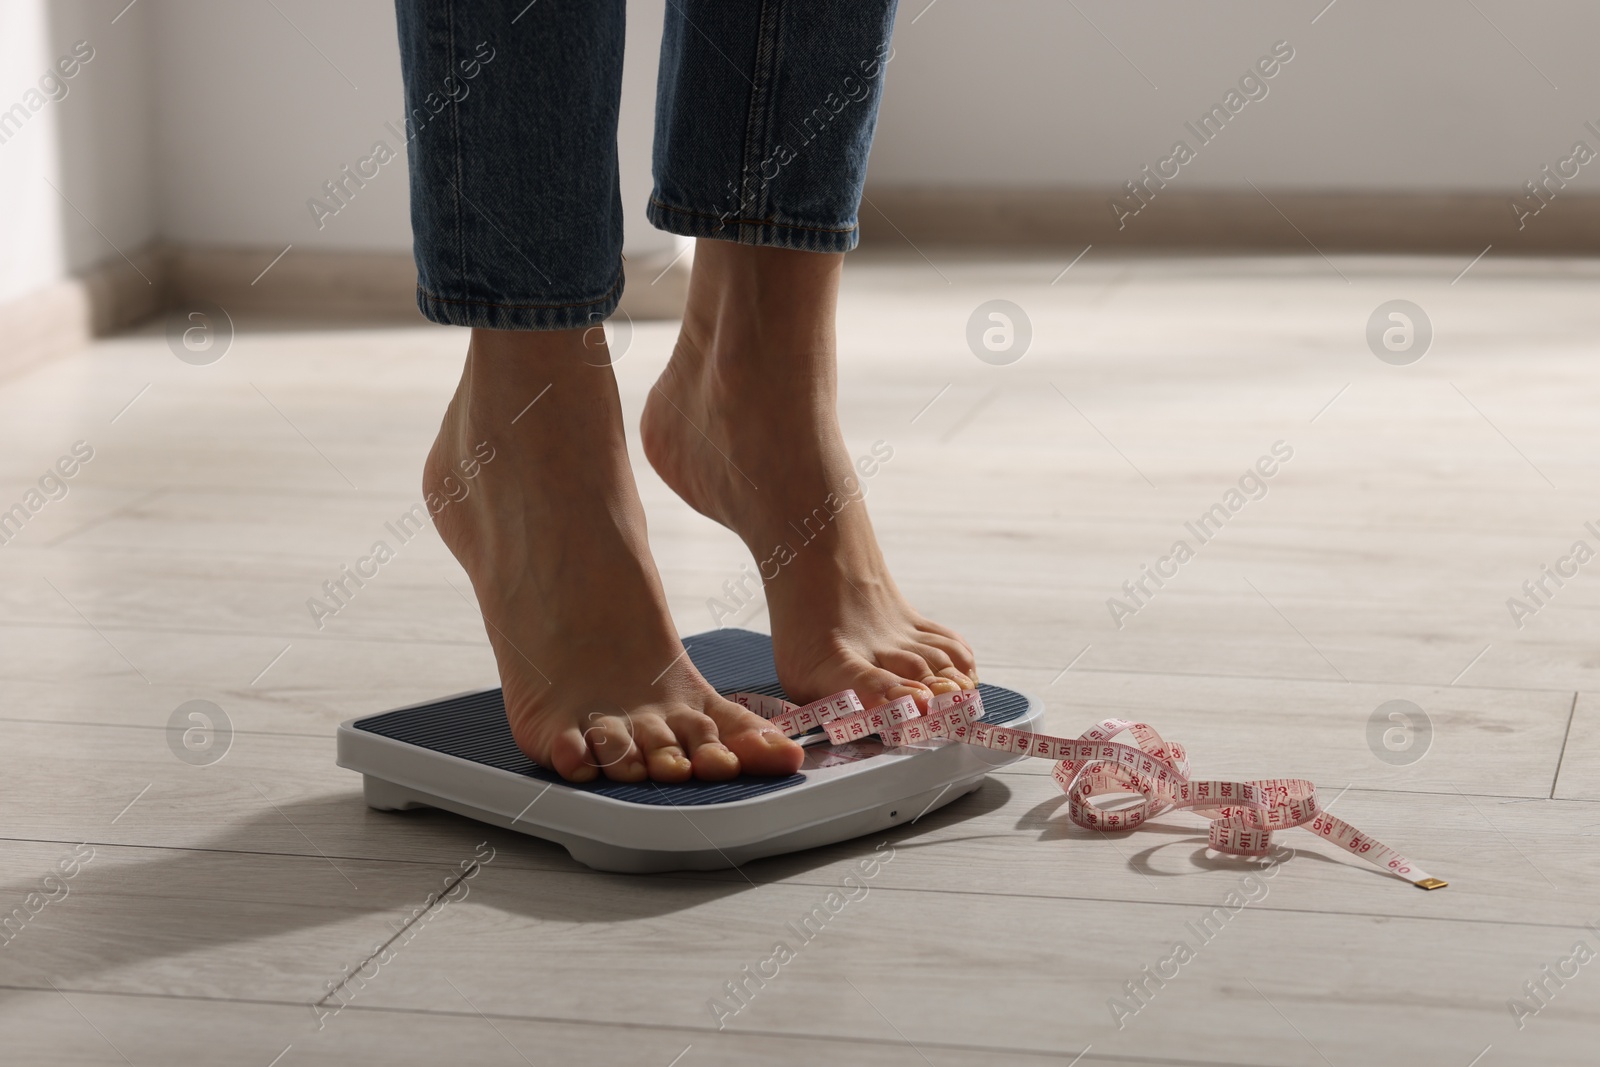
{"x": 762, "y": 319}
{"x": 519, "y": 382}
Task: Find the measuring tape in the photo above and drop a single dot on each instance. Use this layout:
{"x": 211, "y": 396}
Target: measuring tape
{"x": 1243, "y": 815}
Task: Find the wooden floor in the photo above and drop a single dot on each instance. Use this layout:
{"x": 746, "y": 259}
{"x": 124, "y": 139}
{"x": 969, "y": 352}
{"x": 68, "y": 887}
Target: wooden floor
{"x": 219, "y": 903}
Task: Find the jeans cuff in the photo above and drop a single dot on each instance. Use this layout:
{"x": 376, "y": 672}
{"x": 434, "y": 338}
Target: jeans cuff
{"x": 500, "y": 315}
{"x": 769, "y": 232}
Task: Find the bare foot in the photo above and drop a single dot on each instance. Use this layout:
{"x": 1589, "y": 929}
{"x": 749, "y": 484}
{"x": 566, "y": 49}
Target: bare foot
{"x": 742, "y": 424}
{"x": 552, "y": 534}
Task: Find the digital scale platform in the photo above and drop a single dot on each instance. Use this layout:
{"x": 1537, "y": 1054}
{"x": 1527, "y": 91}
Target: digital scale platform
{"x": 457, "y": 754}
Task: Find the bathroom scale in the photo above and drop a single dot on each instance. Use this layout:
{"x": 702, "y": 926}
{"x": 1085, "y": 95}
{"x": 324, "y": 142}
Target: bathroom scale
{"x": 457, "y": 754}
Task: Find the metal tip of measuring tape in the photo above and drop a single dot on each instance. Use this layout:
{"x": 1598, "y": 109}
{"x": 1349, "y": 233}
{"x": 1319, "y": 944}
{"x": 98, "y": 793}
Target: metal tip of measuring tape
{"x": 1430, "y": 883}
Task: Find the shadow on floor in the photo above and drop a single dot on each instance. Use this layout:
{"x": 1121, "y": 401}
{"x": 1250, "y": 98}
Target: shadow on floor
{"x": 229, "y": 890}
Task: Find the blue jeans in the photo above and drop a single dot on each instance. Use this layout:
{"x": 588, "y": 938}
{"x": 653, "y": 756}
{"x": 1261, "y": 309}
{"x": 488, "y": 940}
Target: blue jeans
{"x": 764, "y": 119}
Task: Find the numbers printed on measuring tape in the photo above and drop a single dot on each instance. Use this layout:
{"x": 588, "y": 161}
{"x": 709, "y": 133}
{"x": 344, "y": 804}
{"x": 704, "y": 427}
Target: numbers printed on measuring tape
{"x": 1093, "y": 765}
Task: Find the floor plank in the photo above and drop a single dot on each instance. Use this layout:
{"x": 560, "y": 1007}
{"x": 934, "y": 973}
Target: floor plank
{"x": 1579, "y": 778}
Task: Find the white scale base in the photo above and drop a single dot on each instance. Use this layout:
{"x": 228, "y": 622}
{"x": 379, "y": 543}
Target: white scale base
{"x": 841, "y": 792}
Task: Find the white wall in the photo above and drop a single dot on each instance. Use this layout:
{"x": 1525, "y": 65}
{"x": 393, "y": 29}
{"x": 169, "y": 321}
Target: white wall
{"x": 212, "y": 122}
{"x": 1424, "y": 94}
{"x": 253, "y": 120}
{"x": 94, "y": 143}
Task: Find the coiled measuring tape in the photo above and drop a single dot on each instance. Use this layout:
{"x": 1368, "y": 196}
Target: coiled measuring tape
{"x": 1243, "y": 815}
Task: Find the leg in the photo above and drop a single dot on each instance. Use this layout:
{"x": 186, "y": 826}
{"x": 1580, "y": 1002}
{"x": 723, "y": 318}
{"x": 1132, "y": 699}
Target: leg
{"x": 518, "y": 236}
{"x": 743, "y": 423}
{"x": 511, "y": 137}
{"x": 754, "y": 368}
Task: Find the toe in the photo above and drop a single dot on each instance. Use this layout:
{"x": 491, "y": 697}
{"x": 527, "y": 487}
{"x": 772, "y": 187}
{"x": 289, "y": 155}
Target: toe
{"x": 669, "y": 764}
{"x": 912, "y": 667}
{"x": 877, "y": 685}
{"x": 940, "y": 661}
{"x": 918, "y": 692}
{"x": 760, "y": 748}
{"x": 610, "y": 741}
{"x": 664, "y": 758}
{"x": 907, "y": 664}
{"x": 957, "y": 650}
{"x": 709, "y": 758}
{"x": 714, "y": 762}
{"x": 570, "y": 757}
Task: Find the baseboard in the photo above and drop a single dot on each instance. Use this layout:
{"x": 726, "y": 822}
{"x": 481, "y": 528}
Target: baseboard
{"x": 382, "y": 285}
{"x": 369, "y": 285}
{"x": 1276, "y": 221}
{"x": 359, "y": 286}
{"x": 109, "y": 296}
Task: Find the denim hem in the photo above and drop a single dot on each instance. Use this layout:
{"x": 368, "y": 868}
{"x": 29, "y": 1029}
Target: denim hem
{"x": 494, "y": 315}
{"x": 772, "y": 233}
